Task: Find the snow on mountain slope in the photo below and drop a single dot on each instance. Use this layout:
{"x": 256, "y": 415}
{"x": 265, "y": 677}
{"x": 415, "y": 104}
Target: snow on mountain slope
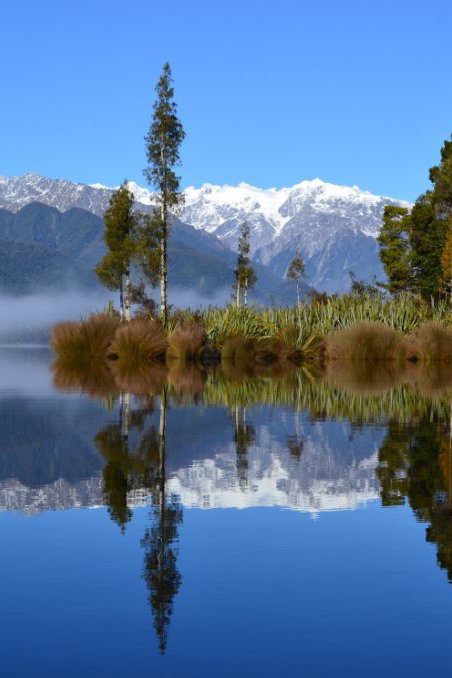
{"x": 335, "y": 227}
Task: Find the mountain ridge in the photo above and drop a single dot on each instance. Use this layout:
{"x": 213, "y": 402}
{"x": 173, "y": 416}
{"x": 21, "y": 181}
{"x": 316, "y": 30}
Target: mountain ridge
{"x": 334, "y": 226}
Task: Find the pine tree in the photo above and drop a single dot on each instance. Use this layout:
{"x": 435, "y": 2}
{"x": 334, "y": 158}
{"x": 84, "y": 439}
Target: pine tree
{"x": 245, "y": 275}
{"x": 395, "y": 249}
{"x": 296, "y": 271}
{"x": 162, "y": 150}
{"x": 119, "y": 235}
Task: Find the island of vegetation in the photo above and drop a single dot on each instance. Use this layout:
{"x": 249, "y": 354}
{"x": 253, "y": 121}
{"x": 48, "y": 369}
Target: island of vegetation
{"x": 408, "y": 318}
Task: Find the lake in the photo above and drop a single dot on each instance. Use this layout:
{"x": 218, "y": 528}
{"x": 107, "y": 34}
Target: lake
{"x": 251, "y": 523}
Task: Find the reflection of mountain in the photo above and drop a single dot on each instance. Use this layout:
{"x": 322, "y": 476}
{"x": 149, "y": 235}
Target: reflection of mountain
{"x": 48, "y": 459}
{"x": 336, "y": 470}
{"x": 15, "y": 496}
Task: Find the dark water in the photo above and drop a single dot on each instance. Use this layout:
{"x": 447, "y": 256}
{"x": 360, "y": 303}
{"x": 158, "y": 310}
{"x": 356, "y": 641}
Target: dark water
{"x": 229, "y": 525}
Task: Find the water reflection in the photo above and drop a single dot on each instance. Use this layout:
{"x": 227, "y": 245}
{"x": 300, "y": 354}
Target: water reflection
{"x": 175, "y": 437}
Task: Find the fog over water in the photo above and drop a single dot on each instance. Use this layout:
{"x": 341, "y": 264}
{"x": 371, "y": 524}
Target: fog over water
{"x": 28, "y": 319}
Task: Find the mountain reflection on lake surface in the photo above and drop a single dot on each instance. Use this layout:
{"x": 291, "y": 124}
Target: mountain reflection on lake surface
{"x": 245, "y": 522}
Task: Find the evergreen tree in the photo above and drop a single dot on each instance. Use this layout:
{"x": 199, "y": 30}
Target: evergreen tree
{"x": 119, "y": 235}
{"x": 427, "y": 238}
{"x": 446, "y": 263}
{"x": 395, "y": 248}
{"x": 162, "y": 149}
{"x": 245, "y": 275}
{"x": 441, "y": 178}
{"x": 296, "y": 271}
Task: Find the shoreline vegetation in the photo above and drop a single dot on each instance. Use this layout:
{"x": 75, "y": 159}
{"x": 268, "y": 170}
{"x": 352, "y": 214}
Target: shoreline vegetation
{"x": 354, "y": 334}
{"x": 361, "y": 390}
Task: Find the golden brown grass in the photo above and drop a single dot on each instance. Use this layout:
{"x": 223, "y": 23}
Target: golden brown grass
{"x": 84, "y": 342}
{"x": 366, "y": 341}
{"x": 186, "y": 342}
{"x": 238, "y": 349}
{"x": 432, "y": 341}
{"x": 138, "y": 343}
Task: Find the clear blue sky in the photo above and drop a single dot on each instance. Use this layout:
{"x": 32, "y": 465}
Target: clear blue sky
{"x": 269, "y": 92}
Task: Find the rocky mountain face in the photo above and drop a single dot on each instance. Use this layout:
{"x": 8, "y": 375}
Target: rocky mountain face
{"x": 335, "y": 227}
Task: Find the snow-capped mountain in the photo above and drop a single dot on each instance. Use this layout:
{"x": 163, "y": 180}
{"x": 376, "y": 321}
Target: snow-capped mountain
{"x": 335, "y": 227}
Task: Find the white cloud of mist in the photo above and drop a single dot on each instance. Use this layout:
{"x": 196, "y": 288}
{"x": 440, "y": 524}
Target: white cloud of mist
{"x": 29, "y": 318}
{"x": 23, "y": 316}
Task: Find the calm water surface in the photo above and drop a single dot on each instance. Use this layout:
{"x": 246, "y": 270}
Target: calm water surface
{"x": 215, "y": 527}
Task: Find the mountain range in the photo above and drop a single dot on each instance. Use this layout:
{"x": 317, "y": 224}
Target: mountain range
{"x": 335, "y": 228}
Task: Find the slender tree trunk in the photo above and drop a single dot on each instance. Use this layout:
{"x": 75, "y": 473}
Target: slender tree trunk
{"x": 162, "y": 451}
{"x": 163, "y": 267}
{"x": 127, "y": 300}
{"x": 121, "y": 299}
{"x": 298, "y": 295}
{"x": 245, "y": 295}
{"x": 125, "y": 414}
{"x": 238, "y": 294}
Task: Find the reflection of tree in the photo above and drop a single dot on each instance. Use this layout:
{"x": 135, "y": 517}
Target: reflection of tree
{"x": 160, "y": 542}
{"x": 126, "y": 468}
{"x": 295, "y": 442}
{"x": 137, "y": 462}
{"x": 244, "y": 437}
{"x": 415, "y": 463}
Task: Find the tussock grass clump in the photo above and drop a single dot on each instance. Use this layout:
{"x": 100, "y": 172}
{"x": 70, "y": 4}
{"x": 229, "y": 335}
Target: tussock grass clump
{"x": 365, "y": 341}
{"x": 185, "y": 342}
{"x": 84, "y": 342}
{"x": 432, "y": 341}
{"x": 238, "y": 349}
{"x": 138, "y": 343}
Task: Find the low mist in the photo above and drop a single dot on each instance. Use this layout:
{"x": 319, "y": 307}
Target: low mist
{"x": 29, "y": 319}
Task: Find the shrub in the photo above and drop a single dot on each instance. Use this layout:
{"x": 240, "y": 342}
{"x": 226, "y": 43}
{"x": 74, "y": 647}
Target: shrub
{"x": 84, "y": 342}
{"x": 185, "y": 342}
{"x": 432, "y": 341}
{"x": 139, "y": 342}
{"x": 238, "y": 349}
{"x": 365, "y": 341}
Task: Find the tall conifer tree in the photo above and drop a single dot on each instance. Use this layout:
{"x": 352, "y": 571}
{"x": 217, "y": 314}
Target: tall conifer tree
{"x": 162, "y": 150}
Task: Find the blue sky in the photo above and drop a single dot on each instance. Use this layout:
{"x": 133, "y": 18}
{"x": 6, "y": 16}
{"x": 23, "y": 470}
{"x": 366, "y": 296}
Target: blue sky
{"x": 353, "y": 91}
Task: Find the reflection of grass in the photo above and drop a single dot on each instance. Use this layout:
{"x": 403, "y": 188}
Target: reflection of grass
{"x": 141, "y": 380}
{"x": 359, "y": 391}
{"x": 93, "y": 378}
